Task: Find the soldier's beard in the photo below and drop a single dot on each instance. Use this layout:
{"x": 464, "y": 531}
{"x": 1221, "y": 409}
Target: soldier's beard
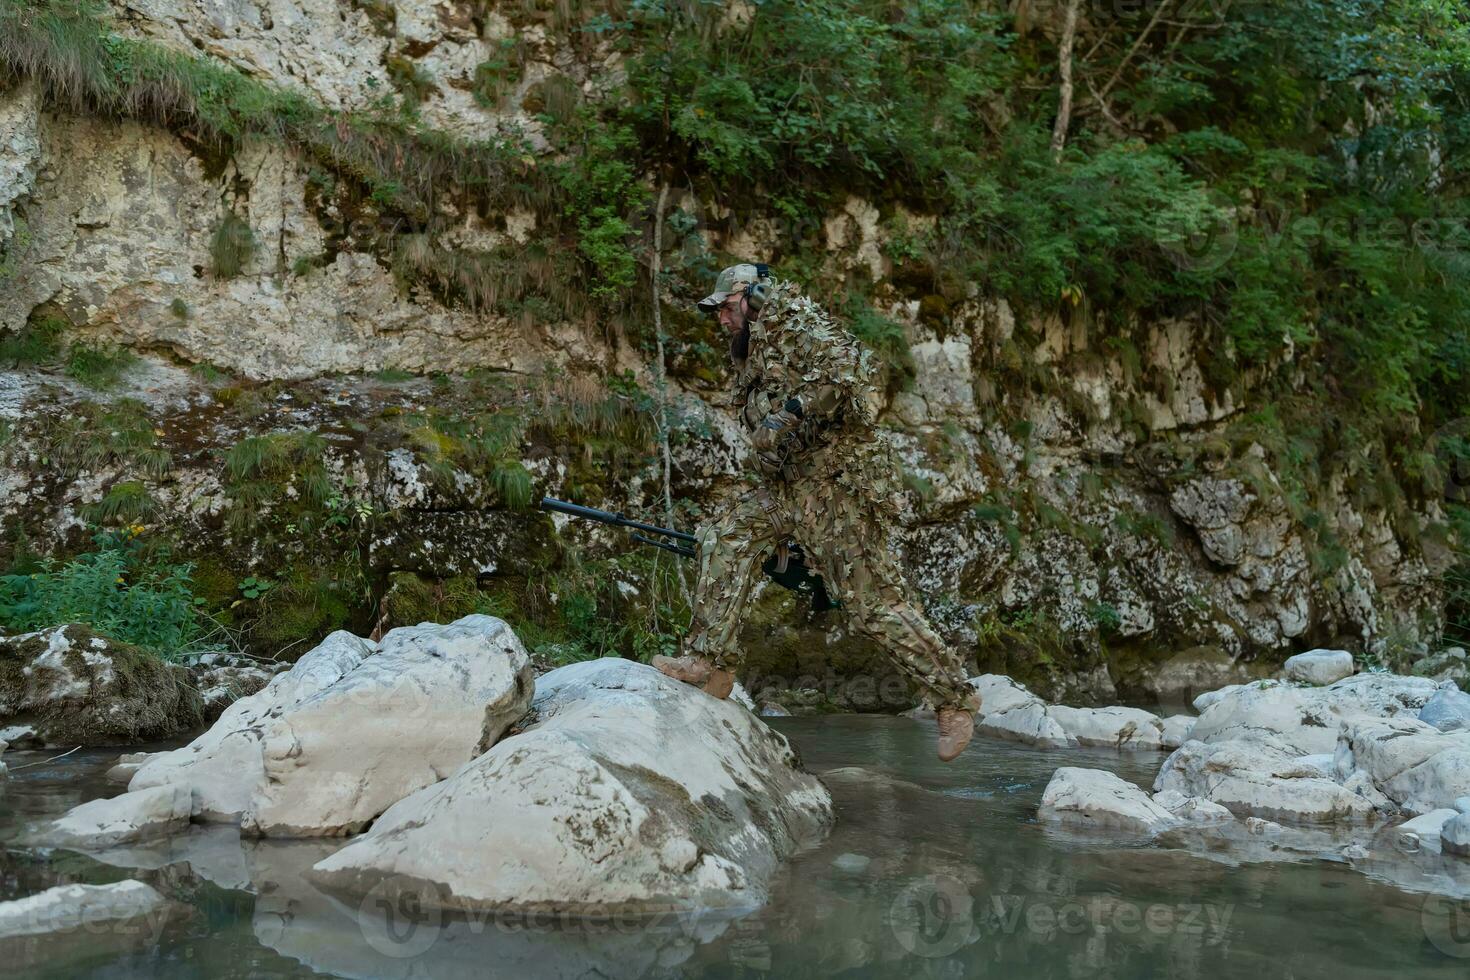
{"x": 740, "y": 343}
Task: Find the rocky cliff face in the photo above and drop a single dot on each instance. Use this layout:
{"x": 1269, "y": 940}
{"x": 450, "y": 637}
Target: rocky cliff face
{"x": 1074, "y": 512}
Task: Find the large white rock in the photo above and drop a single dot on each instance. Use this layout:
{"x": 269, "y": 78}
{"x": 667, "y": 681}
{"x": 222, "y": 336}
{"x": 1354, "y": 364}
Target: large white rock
{"x": 122, "y": 819}
{"x": 1116, "y": 728}
{"x": 1000, "y": 693}
{"x": 1008, "y": 710}
{"x": 1308, "y": 718}
{"x": 630, "y": 793}
{"x": 431, "y": 699}
{"x": 223, "y": 766}
{"x": 1320, "y": 667}
{"x": 352, "y": 728}
{"x": 1260, "y": 778}
{"x": 1031, "y": 723}
{"x": 1095, "y": 799}
{"x": 1414, "y": 764}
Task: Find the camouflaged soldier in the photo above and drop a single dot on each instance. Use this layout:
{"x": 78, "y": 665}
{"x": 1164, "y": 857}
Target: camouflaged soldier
{"x": 805, "y": 390}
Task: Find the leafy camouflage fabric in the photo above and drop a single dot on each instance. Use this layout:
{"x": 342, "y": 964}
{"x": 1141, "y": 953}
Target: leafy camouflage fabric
{"x": 825, "y": 482}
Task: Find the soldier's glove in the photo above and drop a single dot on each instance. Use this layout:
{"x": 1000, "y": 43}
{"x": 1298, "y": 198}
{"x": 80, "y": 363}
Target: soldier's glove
{"x": 773, "y": 437}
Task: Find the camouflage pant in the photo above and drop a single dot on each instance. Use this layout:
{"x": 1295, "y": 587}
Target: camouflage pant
{"x": 844, "y": 543}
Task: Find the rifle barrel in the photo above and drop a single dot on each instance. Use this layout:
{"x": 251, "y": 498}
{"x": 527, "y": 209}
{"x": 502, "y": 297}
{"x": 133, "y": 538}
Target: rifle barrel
{"x": 607, "y": 517}
{"x": 676, "y": 549}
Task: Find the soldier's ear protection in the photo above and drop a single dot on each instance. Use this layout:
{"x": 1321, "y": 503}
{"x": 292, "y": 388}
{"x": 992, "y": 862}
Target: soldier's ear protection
{"x": 759, "y": 291}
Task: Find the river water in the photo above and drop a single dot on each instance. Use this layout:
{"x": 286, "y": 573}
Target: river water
{"x": 932, "y": 871}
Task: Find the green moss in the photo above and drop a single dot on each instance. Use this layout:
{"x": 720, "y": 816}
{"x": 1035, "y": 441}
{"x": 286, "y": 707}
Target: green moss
{"x": 411, "y": 599}
{"x": 143, "y": 699}
{"x": 303, "y": 608}
{"x": 231, "y": 247}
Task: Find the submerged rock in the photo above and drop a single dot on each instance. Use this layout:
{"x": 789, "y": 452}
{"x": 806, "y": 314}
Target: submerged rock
{"x": 122, "y": 819}
{"x": 1422, "y": 831}
{"x": 1319, "y": 667}
{"x": 70, "y": 686}
{"x": 75, "y": 922}
{"x": 630, "y": 793}
{"x": 352, "y": 728}
{"x": 1094, "y": 799}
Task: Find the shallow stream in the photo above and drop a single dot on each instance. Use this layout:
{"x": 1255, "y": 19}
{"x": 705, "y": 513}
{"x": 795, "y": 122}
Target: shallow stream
{"x": 932, "y": 871}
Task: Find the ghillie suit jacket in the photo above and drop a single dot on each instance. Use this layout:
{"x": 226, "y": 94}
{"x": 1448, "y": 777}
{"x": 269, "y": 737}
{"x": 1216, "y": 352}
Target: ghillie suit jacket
{"x": 807, "y": 390}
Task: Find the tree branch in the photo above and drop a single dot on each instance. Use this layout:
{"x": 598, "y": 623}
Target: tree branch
{"x": 1137, "y": 43}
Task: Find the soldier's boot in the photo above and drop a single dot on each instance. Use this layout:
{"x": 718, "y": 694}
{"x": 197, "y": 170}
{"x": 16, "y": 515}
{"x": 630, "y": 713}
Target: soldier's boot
{"x": 956, "y": 728}
{"x": 698, "y": 671}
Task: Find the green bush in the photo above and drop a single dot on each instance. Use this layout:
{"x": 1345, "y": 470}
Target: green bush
{"x": 117, "y": 590}
{"x": 98, "y": 366}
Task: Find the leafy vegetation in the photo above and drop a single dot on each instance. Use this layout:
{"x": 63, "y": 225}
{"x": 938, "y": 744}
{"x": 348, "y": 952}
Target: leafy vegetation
{"x": 121, "y": 589}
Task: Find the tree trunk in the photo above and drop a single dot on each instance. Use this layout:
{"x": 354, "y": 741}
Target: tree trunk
{"x": 1064, "y": 64}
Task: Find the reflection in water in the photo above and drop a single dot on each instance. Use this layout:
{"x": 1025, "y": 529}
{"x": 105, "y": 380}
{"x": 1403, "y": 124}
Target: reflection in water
{"x": 933, "y": 871}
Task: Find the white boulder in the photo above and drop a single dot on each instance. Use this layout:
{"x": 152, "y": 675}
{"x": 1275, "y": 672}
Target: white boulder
{"x": 122, "y": 819}
{"x": 223, "y": 766}
{"x": 630, "y": 792}
{"x": 1030, "y": 723}
{"x": 1261, "y": 777}
{"x": 1319, "y": 667}
{"x": 1308, "y": 718}
{"x": 431, "y": 699}
{"x": 1414, "y": 764}
{"x": 352, "y": 728}
{"x": 1095, "y": 799}
{"x": 1000, "y": 693}
{"x": 1116, "y": 728}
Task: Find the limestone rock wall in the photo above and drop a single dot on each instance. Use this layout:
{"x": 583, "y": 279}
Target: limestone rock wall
{"x": 1106, "y": 499}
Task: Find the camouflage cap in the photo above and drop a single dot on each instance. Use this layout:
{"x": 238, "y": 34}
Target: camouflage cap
{"x": 731, "y": 280}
